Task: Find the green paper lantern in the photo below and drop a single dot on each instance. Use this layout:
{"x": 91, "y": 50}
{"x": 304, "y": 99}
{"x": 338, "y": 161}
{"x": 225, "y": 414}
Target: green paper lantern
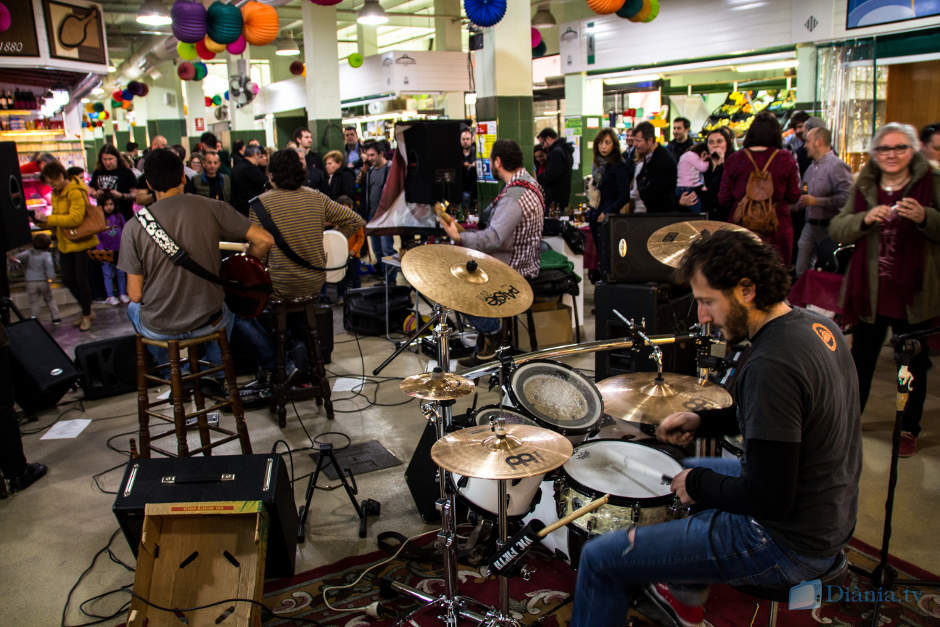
{"x": 630, "y": 8}
{"x": 186, "y": 51}
{"x": 654, "y": 11}
{"x": 355, "y": 60}
{"x": 116, "y": 104}
{"x": 201, "y": 70}
{"x": 217, "y": 100}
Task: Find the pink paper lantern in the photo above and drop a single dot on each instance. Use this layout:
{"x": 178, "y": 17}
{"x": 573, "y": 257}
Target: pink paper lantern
{"x": 5, "y": 19}
{"x": 238, "y": 46}
{"x": 536, "y": 37}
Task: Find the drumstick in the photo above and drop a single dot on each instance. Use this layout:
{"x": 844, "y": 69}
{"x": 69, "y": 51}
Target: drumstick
{"x": 237, "y": 247}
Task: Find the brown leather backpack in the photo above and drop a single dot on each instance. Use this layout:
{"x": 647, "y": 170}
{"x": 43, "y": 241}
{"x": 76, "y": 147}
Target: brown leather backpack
{"x": 756, "y": 210}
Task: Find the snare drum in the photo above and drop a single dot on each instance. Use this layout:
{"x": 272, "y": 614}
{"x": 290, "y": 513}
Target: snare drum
{"x": 732, "y": 446}
{"x": 557, "y": 397}
{"x": 482, "y": 495}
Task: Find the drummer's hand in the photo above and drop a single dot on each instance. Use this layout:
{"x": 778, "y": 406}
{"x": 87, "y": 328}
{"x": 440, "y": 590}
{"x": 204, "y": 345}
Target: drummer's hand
{"x": 450, "y": 228}
{"x": 678, "y": 486}
{"x": 678, "y": 428}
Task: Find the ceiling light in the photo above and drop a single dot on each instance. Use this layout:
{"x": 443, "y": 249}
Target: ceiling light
{"x": 770, "y": 65}
{"x": 111, "y": 68}
{"x": 372, "y": 13}
{"x": 152, "y": 13}
{"x": 543, "y": 18}
{"x": 286, "y": 47}
{"x": 636, "y": 78}
{"x": 748, "y": 6}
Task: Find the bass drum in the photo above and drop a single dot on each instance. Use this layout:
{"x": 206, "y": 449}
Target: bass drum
{"x": 557, "y": 397}
{"x": 482, "y": 495}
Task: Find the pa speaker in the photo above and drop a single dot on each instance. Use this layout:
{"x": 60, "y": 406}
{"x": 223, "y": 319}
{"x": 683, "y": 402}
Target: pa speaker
{"x": 435, "y": 161}
{"x": 216, "y": 478}
{"x": 44, "y": 373}
{"x": 630, "y": 260}
{"x": 108, "y": 367}
{"x": 14, "y": 222}
{"x": 421, "y": 474}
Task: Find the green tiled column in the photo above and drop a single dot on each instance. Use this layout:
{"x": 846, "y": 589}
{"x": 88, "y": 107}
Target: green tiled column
{"x": 173, "y": 130}
{"x": 327, "y": 134}
{"x": 514, "y": 120}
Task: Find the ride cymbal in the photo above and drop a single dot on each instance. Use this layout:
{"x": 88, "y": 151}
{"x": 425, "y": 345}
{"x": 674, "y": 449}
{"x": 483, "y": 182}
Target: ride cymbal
{"x": 668, "y": 244}
{"x": 467, "y": 280}
{"x": 515, "y": 452}
{"x": 640, "y": 397}
{"x": 437, "y": 386}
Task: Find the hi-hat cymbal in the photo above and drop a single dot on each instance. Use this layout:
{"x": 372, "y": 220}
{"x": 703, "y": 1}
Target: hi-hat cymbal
{"x": 467, "y": 280}
{"x": 437, "y": 386}
{"x": 667, "y": 244}
{"x": 639, "y": 397}
{"x": 516, "y": 452}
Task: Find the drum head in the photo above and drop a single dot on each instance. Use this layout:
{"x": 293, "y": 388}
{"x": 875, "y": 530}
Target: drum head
{"x": 511, "y": 416}
{"x": 599, "y": 467}
{"x": 557, "y": 396}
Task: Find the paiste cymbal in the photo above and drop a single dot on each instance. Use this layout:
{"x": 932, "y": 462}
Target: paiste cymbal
{"x": 667, "y": 244}
{"x": 516, "y": 452}
{"x": 437, "y": 386}
{"x": 639, "y": 397}
{"x": 467, "y": 280}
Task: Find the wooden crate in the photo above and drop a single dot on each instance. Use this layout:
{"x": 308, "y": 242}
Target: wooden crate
{"x": 193, "y": 554}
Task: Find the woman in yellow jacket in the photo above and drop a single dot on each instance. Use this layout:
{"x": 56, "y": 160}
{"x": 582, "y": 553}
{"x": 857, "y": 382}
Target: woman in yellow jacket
{"x": 69, "y": 199}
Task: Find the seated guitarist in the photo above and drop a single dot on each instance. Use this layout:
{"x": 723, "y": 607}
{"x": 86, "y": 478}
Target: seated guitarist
{"x": 167, "y": 300}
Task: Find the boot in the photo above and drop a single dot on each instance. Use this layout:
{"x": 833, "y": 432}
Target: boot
{"x": 485, "y": 351}
{"x": 85, "y": 323}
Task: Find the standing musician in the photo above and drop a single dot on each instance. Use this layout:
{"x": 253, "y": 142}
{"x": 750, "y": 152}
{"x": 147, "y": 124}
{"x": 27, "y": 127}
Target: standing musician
{"x": 513, "y": 235}
{"x": 783, "y": 513}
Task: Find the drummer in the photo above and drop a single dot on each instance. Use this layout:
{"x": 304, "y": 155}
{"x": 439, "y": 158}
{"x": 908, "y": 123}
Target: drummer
{"x": 513, "y": 234}
{"x": 783, "y": 513}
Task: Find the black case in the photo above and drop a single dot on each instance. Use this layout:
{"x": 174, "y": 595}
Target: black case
{"x": 43, "y": 371}
{"x": 198, "y": 479}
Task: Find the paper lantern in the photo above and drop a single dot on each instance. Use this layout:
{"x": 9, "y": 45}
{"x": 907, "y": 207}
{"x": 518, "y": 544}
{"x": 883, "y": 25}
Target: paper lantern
{"x": 92, "y": 116}
{"x": 208, "y": 101}
{"x": 84, "y": 124}
{"x": 126, "y": 104}
{"x": 186, "y": 51}
{"x": 115, "y": 103}
{"x": 126, "y": 95}
{"x": 630, "y": 8}
{"x": 226, "y": 94}
{"x": 98, "y": 106}
{"x": 536, "y": 37}
{"x": 89, "y": 107}
{"x": 297, "y": 67}
{"x": 134, "y": 87}
{"x": 5, "y": 19}
{"x": 238, "y": 46}
{"x": 485, "y": 12}
{"x": 254, "y": 88}
{"x": 186, "y": 71}
{"x": 212, "y": 46}
{"x": 104, "y": 115}
{"x": 144, "y": 90}
{"x": 326, "y": 3}
{"x": 539, "y": 50}
{"x": 201, "y": 70}
{"x": 648, "y": 10}
{"x": 604, "y": 7}
{"x": 223, "y": 23}
{"x": 261, "y": 23}
{"x": 654, "y": 11}
{"x": 355, "y": 60}
{"x": 117, "y": 95}
{"x": 189, "y": 21}
{"x": 217, "y": 100}
{"x": 203, "y": 52}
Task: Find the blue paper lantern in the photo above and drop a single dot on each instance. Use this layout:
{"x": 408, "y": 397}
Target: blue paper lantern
{"x": 485, "y": 12}
{"x": 127, "y": 94}
{"x": 226, "y": 94}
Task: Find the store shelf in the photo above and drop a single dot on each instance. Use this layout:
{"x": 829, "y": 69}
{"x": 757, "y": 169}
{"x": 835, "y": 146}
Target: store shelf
{"x": 54, "y": 134}
{"x": 19, "y": 112}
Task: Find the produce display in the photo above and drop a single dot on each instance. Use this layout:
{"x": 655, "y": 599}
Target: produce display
{"x": 740, "y": 107}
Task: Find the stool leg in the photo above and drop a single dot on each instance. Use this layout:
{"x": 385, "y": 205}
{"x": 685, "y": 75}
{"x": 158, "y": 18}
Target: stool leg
{"x": 237, "y": 409}
{"x": 176, "y": 392}
{"x": 143, "y": 401}
{"x": 279, "y": 387}
{"x": 772, "y": 619}
{"x": 577, "y": 320}
{"x": 200, "y": 401}
{"x": 313, "y": 351}
{"x": 533, "y": 342}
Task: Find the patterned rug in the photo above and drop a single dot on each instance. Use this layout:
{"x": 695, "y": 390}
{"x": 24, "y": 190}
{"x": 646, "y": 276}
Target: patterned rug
{"x": 545, "y": 598}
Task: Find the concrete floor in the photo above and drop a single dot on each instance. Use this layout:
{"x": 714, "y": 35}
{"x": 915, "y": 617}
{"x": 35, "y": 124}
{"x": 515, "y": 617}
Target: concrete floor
{"x": 50, "y": 532}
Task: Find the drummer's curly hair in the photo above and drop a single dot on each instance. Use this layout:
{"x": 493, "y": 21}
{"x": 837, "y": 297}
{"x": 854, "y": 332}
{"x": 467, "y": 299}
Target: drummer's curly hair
{"x": 726, "y": 257}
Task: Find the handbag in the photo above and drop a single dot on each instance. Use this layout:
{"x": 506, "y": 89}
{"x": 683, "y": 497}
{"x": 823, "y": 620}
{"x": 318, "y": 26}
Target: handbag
{"x": 93, "y": 223}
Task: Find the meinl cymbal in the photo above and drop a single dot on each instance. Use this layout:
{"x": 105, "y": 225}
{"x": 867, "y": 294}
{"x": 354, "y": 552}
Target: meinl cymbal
{"x": 437, "y": 386}
{"x": 640, "y": 397}
{"x": 467, "y": 280}
{"x": 668, "y": 244}
{"x": 515, "y": 452}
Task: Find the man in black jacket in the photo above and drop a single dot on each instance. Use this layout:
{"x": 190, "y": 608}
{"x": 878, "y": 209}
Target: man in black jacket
{"x": 655, "y": 182}
{"x": 680, "y": 138}
{"x": 248, "y": 177}
{"x": 556, "y": 179}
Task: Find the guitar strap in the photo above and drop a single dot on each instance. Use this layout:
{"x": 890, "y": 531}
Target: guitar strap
{"x": 265, "y": 218}
{"x": 181, "y": 258}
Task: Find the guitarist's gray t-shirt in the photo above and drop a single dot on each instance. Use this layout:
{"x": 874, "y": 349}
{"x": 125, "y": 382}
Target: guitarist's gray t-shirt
{"x": 174, "y": 299}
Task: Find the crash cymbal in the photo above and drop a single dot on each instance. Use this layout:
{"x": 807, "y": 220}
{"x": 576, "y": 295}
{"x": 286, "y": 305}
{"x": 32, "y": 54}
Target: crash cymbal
{"x": 667, "y": 244}
{"x": 515, "y": 452}
{"x": 437, "y": 386}
{"x": 639, "y": 397}
{"x": 467, "y": 280}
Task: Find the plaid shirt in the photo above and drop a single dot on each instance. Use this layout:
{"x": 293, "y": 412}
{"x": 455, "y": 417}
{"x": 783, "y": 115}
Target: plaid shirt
{"x": 514, "y": 233}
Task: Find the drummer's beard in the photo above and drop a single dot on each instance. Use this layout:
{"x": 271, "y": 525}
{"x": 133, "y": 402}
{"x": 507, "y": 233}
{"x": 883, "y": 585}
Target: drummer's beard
{"x": 735, "y": 327}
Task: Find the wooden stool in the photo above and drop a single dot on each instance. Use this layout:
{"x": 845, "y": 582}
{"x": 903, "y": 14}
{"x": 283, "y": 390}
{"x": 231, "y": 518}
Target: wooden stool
{"x": 179, "y": 395}
{"x": 281, "y": 391}
{"x": 513, "y": 323}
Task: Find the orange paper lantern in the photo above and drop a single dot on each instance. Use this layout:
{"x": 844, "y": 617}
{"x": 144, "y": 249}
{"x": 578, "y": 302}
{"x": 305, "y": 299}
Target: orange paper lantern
{"x": 212, "y": 45}
{"x": 605, "y": 7}
{"x": 261, "y": 23}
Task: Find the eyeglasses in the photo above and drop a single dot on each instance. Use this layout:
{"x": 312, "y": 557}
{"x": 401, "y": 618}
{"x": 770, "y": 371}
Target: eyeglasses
{"x": 883, "y": 150}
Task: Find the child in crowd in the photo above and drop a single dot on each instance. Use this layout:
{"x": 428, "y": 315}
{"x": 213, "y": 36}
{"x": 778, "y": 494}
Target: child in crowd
{"x": 37, "y": 263}
{"x": 691, "y": 170}
{"x": 110, "y": 240}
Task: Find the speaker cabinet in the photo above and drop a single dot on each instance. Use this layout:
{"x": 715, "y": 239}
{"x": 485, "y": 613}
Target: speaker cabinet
{"x": 108, "y": 367}
{"x": 14, "y": 222}
{"x": 630, "y": 260}
{"x": 421, "y": 474}
{"x": 435, "y": 161}
{"x": 217, "y": 478}
{"x": 666, "y": 309}
{"x": 43, "y": 372}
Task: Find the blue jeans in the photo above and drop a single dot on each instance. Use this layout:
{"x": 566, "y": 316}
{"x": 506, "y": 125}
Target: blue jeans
{"x": 108, "y": 270}
{"x": 697, "y": 207}
{"x": 709, "y": 547}
{"x": 486, "y": 326}
{"x": 213, "y": 352}
{"x": 254, "y": 333}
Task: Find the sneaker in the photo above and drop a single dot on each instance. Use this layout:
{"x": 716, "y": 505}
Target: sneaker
{"x": 125, "y": 298}
{"x": 908, "y": 444}
{"x": 56, "y": 322}
{"x": 684, "y": 615}
{"x": 33, "y": 473}
{"x": 113, "y": 301}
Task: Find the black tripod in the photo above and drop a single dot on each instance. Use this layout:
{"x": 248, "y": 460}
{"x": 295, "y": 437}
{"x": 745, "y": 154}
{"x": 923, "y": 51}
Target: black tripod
{"x": 883, "y": 574}
{"x": 324, "y": 459}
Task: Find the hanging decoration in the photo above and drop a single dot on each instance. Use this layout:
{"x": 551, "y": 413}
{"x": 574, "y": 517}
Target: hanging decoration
{"x": 297, "y": 68}
{"x": 185, "y": 70}
{"x": 485, "y": 12}
{"x": 208, "y": 101}
{"x": 326, "y": 3}
{"x": 648, "y": 13}
{"x": 604, "y": 7}
{"x": 98, "y": 107}
{"x": 116, "y": 95}
{"x": 238, "y": 46}
{"x": 203, "y": 52}
{"x": 187, "y": 52}
{"x": 630, "y": 8}
{"x": 115, "y": 103}
{"x": 213, "y": 46}
{"x": 6, "y": 20}
{"x": 539, "y": 50}
{"x": 355, "y": 60}
{"x": 216, "y": 100}
{"x": 223, "y": 23}
{"x": 189, "y": 21}
{"x": 201, "y": 70}
{"x": 261, "y": 23}
{"x": 536, "y": 37}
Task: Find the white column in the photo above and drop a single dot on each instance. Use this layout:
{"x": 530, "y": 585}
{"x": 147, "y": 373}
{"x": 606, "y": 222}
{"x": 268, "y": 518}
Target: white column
{"x": 368, "y": 38}
{"x": 806, "y": 73}
{"x": 504, "y": 66}
{"x": 322, "y": 84}
{"x": 195, "y": 108}
{"x": 583, "y": 96}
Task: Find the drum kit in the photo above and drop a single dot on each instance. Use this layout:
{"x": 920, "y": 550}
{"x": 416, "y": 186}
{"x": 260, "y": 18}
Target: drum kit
{"x": 540, "y": 461}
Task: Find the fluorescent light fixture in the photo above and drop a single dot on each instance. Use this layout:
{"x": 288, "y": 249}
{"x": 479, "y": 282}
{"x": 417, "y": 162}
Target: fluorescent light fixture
{"x": 770, "y": 65}
{"x": 636, "y": 78}
{"x": 152, "y": 13}
{"x": 372, "y": 14}
{"x": 543, "y": 18}
{"x": 286, "y": 47}
{"x": 748, "y": 6}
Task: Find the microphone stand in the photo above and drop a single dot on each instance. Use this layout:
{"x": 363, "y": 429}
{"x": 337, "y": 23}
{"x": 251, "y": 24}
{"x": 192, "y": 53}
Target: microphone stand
{"x": 883, "y": 574}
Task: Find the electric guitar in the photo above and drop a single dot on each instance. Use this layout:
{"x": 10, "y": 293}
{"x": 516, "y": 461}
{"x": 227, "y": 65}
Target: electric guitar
{"x": 73, "y": 31}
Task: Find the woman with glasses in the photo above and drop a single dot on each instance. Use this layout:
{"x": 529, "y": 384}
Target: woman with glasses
{"x": 893, "y": 278}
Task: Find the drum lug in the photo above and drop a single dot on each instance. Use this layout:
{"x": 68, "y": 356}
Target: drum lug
{"x": 677, "y": 509}
{"x": 526, "y": 573}
{"x": 635, "y": 513}
{"x": 591, "y": 524}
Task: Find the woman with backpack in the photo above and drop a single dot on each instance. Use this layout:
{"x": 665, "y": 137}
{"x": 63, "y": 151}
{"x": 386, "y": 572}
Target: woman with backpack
{"x": 759, "y": 184}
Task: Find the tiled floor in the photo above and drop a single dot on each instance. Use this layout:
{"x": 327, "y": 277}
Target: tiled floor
{"x": 49, "y": 533}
